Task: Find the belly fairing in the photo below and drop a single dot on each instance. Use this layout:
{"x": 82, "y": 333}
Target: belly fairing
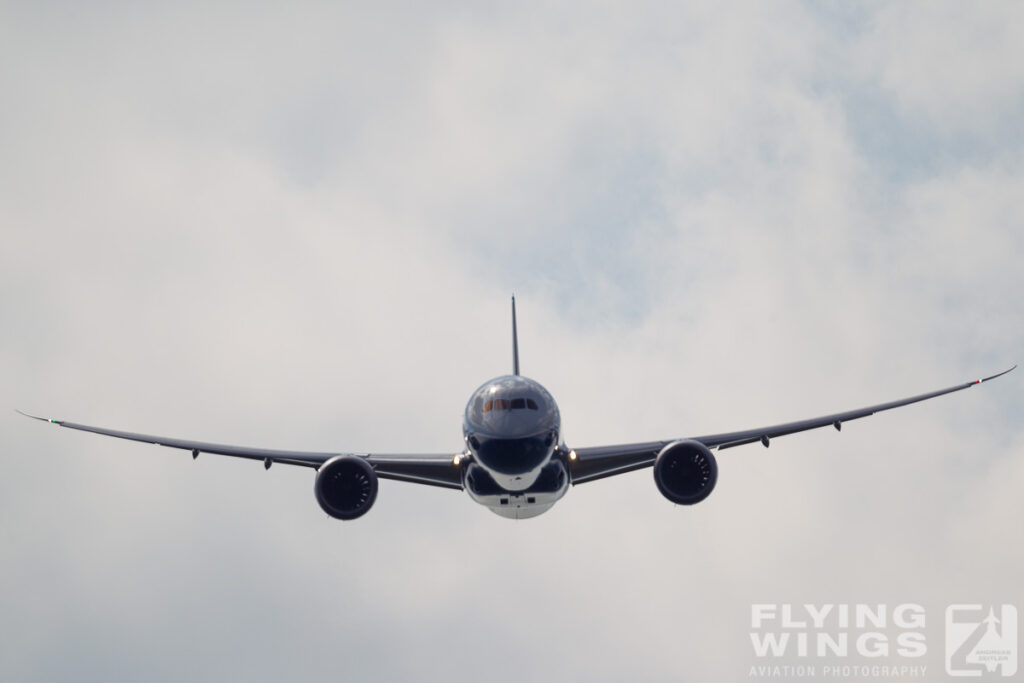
{"x": 550, "y": 484}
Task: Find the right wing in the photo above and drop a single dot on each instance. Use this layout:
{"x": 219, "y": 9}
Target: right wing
{"x": 589, "y": 464}
{"x": 430, "y": 469}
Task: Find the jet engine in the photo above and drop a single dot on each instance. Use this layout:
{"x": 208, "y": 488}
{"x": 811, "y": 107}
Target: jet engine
{"x": 346, "y": 487}
{"x": 685, "y": 472}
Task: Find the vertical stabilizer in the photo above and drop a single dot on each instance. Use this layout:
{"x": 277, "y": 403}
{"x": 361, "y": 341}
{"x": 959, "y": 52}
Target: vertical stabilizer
{"x": 515, "y": 340}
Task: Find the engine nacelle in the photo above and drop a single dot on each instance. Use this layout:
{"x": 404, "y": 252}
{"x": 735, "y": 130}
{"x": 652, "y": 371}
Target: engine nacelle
{"x": 685, "y": 472}
{"x": 346, "y": 487}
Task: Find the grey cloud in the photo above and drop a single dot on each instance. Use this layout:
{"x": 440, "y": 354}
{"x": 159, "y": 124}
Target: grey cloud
{"x": 300, "y": 229}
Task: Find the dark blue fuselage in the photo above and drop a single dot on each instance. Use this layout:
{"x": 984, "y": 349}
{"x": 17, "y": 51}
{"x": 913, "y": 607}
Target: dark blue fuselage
{"x": 512, "y": 429}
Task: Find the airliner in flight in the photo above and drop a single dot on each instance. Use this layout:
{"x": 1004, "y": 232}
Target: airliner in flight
{"x": 514, "y": 461}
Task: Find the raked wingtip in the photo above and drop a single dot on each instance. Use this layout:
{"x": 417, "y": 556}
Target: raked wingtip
{"x": 999, "y": 374}
{"x": 36, "y": 417}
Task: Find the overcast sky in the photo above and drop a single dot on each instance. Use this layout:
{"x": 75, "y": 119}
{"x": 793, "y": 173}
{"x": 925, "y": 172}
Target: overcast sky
{"x": 299, "y": 228}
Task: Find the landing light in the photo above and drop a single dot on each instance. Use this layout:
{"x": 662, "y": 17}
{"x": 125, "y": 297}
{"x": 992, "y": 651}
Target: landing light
{"x": 456, "y": 460}
{"x": 572, "y": 455}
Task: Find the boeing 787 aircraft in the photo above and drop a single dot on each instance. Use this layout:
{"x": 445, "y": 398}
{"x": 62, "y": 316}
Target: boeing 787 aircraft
{"x": 514, "y": 461}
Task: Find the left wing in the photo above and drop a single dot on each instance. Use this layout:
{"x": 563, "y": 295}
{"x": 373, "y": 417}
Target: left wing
{"x": 589, "y": 464}
{"x": 431, "y": 469}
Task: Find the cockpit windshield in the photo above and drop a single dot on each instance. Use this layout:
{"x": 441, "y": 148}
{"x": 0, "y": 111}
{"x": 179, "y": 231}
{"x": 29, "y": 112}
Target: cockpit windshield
{"x": 510, "y": 404}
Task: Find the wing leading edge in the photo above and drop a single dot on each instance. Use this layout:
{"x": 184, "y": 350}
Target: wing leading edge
{"x": 598, "y": 462}
{"x": 586, "y": 464}
{"x": 431, "y": 469}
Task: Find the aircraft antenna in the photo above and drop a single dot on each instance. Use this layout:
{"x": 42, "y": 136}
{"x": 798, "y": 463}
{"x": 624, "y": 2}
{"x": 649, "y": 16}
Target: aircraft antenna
{"x": 515, "y": 340}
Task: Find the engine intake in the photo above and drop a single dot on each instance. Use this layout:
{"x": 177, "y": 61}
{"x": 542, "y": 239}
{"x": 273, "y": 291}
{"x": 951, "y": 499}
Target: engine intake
{"x": 685, "y": 472}
{"x": 346, "y": 487}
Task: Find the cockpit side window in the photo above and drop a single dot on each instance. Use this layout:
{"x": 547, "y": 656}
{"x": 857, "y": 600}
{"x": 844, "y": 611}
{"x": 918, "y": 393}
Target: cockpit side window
{"x": 531, "y": 404}
{"x": 488, "y": 406}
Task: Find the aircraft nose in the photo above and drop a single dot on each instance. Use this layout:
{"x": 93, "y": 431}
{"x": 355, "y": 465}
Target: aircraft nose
{"x": 511, "y": 407}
